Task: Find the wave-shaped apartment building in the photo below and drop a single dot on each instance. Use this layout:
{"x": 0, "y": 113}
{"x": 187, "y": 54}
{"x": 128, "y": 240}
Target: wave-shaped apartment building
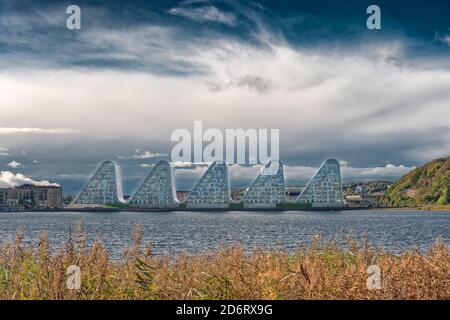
{"x": 212, "y": 190}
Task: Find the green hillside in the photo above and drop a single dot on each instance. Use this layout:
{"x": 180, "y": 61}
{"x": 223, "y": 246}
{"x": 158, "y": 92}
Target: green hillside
{"x": 427, "y": 185}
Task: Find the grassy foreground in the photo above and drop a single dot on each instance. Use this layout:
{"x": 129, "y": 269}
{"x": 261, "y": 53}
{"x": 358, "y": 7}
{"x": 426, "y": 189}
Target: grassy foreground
{"x": 319, "y": 271}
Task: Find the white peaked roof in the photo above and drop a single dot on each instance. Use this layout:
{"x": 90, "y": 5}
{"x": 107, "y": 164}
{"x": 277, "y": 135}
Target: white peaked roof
{"x": 158, "y": 188}
{"x": 104, "y": 187}
{"x": 325, "y": 187}
{"x": 212, "y": 189}
{"x": 268, "y": 188}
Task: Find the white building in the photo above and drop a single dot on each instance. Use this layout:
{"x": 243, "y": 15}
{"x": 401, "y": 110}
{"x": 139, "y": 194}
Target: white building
{"x": 212, "y": 190}
{"x": 267, "y": 190}
{"x": 324, "y": 190}
{"x": 104, "y": 188}
{"x": 157, "y": 190}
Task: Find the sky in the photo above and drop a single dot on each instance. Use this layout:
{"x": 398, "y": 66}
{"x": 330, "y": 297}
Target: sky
{"x": 376, "y": 100}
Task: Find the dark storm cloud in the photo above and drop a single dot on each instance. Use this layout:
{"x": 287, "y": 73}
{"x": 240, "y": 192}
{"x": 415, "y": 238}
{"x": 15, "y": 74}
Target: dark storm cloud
{"x": 34, "y": 34}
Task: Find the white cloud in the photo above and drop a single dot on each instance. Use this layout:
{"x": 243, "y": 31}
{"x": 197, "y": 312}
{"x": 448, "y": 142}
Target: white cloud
{"x": 145, "y": 154}
{"x": 447, "y": 40}
{"x": 14, "y": 164}
{"x": 442, "y": 37}
{"x": 389, "y": 170}
{"x": 9, "y": 179}
{"x": 180, "y": 165}
{"x": 4, "y": 130}
{"x": 205, "y": 13}
{"x": 302, "y": 173}
{"x": 4, "y": 151}
{"x": 335, "y": 94}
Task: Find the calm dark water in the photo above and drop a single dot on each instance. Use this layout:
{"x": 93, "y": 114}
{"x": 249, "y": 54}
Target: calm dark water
{"x": 192, "y": 232}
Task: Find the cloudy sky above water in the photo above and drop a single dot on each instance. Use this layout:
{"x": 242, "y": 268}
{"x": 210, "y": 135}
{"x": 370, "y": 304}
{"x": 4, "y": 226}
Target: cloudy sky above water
{"x": 378, "y": 101}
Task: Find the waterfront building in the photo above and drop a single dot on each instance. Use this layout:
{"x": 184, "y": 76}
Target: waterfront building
{"x": 68, "y": 199}
{"x": 3, "y": 195}
{"x": 31, "y": 197}
{"x": 182, "y": 195}
{"x": 237, "y": 193}
{"x": 360, "y": 190}
{"x": 324, "y": 190}
{"x": 104, "y": 188}
{"x": 40, "y": 197}
{"x": 357, "y": 201}
{"x": 267, "y": 190}
{"x": 157, "y": 190}
{"x": 212, "y": 190}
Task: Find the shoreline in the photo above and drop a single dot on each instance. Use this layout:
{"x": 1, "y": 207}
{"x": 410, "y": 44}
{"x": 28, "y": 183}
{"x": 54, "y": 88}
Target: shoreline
{"x": 424, "y": 208}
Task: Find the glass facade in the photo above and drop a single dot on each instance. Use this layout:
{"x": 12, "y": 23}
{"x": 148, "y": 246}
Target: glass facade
{"x": 212, "y": 190}
{"x": 267, "y": 190}
{"x": 104, "y": 188}
{"x": 157, "y": 190}
{"x": 325, "y": 188}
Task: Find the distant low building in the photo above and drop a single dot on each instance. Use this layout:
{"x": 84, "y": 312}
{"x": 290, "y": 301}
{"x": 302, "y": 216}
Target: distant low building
{"x": 360, "y": 190}
{"x": 358, "y": 202}
{"x": 182, "y": 195}
{"x": 410, "y": 193}
{"x": 31, "y": 197}
{"x": 3, "y": 195}
{"x": 6, "y": 204}
{"x": 68, "y": 199}
{"x": 238, "y": 193}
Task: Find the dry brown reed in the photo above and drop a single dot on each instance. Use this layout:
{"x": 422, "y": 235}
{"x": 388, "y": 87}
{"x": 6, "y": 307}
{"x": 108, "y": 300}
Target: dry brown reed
{"x": 322, "y": 270}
